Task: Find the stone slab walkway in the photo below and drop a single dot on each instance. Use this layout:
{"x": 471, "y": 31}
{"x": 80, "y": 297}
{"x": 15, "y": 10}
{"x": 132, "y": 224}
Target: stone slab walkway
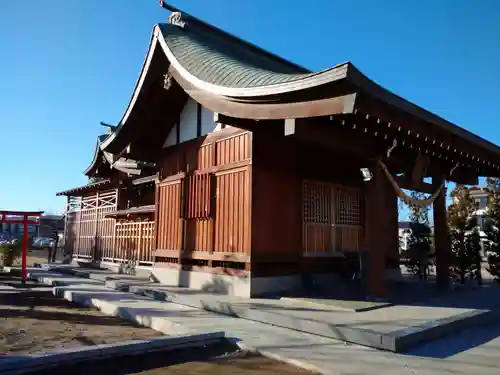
{"x": 394, "y": 328}
{"x": 474, "y": 351}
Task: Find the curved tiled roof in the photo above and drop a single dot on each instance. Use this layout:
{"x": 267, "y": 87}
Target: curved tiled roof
{"x": 215, "y": 63}
{"x": 228, "y": 66}
{"x": 224, "y": 62}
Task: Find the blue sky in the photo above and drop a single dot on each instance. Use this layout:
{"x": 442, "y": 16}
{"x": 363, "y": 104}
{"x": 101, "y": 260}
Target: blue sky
{"x": 66, "y": 65}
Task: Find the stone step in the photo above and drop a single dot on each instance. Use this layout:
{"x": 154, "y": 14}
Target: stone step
{"x": 101, "y": 275}
{"x": 175, "y": 319}
{"x": 395, "y": 340}
{"x": 312, "y": 352}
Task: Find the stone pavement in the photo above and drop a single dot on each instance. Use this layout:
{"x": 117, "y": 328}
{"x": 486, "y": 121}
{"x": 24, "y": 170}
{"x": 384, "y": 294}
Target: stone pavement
{"x": 393, "y": 327}
{"x": 473, "y": 351}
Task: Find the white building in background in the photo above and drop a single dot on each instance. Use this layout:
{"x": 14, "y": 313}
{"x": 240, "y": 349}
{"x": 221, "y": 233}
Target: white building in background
{"x": 480, "y": 195}
{"x": 405, "y": 232}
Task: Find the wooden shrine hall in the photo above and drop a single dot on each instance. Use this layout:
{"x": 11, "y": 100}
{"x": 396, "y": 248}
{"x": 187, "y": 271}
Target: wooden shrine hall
{"x": 237, "y": 171}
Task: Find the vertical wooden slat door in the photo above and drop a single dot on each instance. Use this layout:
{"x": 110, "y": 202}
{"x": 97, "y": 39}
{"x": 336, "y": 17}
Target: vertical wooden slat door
{"x": 197, "y": 215}
{"x": 168, "y": 228}
{"x": 232, "y": 231}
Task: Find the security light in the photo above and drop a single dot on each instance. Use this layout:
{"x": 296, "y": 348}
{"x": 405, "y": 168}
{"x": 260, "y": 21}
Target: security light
{"x": 367, "y": 175}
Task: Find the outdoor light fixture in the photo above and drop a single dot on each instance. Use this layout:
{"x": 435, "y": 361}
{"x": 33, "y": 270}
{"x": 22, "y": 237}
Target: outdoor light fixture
{"x": 367, "y": 175}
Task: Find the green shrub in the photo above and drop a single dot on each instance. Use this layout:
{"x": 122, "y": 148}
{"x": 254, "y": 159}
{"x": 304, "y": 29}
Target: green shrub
{"x": 9, "y": 251}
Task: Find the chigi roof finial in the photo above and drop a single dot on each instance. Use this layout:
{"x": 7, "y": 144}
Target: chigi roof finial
{"x": 176, "y": 18}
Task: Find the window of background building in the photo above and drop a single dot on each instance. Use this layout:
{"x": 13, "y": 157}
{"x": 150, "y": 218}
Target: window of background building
{"x": 480, "y": 222}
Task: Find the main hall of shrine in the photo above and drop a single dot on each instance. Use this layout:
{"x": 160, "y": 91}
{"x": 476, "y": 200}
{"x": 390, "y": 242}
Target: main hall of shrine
{"x": 235, "y": 170}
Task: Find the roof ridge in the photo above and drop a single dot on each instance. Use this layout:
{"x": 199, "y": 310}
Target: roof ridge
{"x": 234, "y": 38}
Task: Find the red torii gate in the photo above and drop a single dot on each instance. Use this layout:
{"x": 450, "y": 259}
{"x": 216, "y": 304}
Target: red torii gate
{"x": 28, "y": 217}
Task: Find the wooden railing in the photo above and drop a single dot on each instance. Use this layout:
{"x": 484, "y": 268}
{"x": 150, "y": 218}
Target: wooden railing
{"x": 134, "y": 242}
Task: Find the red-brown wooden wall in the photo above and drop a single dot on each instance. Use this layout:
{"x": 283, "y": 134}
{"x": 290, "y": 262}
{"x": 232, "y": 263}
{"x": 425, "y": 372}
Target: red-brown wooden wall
{"x": 203, "y": 199}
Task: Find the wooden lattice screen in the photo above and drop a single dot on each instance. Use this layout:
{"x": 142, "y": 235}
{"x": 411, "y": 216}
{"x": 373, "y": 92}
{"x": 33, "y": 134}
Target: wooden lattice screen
{"x": 134, "y": 242}
{"x": 331, "y": 218}
{"x": 168, "y": 222}
{"x": 90, "y": 235}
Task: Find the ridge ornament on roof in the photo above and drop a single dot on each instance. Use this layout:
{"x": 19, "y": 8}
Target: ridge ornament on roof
{"x": 177, "y": 19}
{"x": 167, "y": 81}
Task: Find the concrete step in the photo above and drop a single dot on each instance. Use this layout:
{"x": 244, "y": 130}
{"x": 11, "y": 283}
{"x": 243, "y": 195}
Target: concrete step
{"x": 396, "y": 340}
{"x": 172, "y": 318}
{"x": 312, "y": 352}
{"x": 274, "y": 313}
{"x": 101, "y": 275}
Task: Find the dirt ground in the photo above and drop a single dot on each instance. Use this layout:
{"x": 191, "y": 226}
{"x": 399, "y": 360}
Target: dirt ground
{"x": 33, "y": 320}
{"x": 239, "y": 364}
{"x": 37, "y": 256}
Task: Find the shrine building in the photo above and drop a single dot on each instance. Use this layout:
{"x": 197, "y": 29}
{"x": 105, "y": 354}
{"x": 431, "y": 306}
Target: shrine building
{"x": 237, "y": 171}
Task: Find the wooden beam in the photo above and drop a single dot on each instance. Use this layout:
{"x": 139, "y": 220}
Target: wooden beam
{"x": 410, "y": 146}
{"x": 464, "y": 176}
{"x": 420, "y": 186}
{"x": 234, "y": 121}
{"x": 267, "y": 110}
{"x": 332, "y": 136}
{"x": 143, "y": 180}
{"x": 439, "y": 144}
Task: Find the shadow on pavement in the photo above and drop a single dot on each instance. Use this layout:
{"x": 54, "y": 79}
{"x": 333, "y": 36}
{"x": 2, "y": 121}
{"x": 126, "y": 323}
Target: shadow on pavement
{"x": 459, "y": 342}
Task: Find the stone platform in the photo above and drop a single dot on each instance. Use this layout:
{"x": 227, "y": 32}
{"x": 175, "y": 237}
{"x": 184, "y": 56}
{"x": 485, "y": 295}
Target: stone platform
{"x": 392, "y": 328}
{"x": 389, "y": 327}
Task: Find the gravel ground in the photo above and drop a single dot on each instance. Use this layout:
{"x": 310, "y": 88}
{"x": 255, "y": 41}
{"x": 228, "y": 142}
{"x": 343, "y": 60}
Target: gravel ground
{"x": 33, "y": 320}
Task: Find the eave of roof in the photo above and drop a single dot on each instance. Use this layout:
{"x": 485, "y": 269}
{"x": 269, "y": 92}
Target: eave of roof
{"x": 128, "y": 166}
{"x": 77, "y": 191}
{"x": 135, "y": 93}
{"x": 145, "y": 180}
{"x": 97, "y": 155}
{"x": 132, "y": 211}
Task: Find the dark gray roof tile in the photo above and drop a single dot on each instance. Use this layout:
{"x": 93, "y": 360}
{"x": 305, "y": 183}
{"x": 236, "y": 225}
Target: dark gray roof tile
{"x": 225, "y": 62}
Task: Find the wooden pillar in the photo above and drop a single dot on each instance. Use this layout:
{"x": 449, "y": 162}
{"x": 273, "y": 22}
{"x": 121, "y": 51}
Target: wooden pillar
{"x": 391, "y": 222}
{"x": 442, "y": 242}
{"x": 95, "y": 256}
{"x": 66, "y": 214}
{"x": 24, "y": 249}
{"x": 375, "y": 244}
